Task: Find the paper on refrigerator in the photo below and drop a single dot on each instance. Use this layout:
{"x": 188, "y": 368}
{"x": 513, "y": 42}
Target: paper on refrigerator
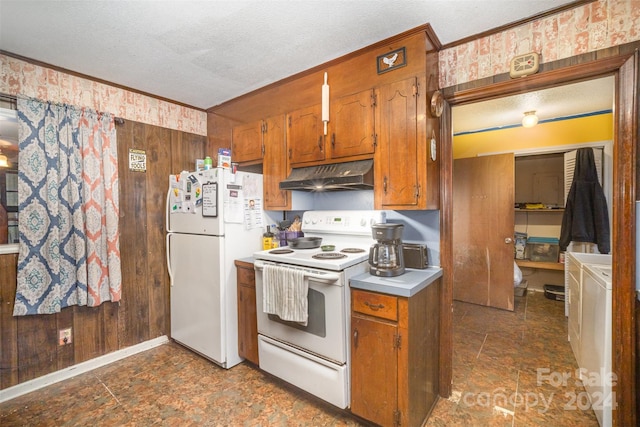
{"x": 253, "y": 207}
{"x": 243, "y": 201}
{"x": 252, "y": 212}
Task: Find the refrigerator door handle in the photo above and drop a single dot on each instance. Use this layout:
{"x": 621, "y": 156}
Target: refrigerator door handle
{"x": 169, "y": 258}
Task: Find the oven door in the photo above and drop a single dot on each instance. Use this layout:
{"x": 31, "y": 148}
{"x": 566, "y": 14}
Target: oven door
{"x": 326, "y": 331}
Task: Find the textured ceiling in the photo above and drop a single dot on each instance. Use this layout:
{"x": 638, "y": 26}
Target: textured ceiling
{"x": 202, "y": 53}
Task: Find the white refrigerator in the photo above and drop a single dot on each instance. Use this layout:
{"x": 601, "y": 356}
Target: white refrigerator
{"x": 213, "y": 217}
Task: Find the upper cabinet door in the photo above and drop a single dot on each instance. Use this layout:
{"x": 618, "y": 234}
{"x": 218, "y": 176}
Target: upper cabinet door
{"x": 246, "y": 145}
{"x": 352, "y": 125}
{"x": 305, "y": 135}
{"x": 397, "y": 160}
{"x": 275, "y": 167}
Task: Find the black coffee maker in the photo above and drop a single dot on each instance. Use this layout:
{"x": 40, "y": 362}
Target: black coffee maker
{"x": 385, "y": 257}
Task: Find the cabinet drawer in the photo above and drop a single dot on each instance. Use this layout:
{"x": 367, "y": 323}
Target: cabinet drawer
{"x": 372, "y": 304}
{"x": 246, "y": 277}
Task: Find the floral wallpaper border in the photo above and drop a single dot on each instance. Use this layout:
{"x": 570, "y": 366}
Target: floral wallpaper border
{"x": 597, "y": 25}
{"x": 594, "y": 26}
{"x": 23, "y": 78}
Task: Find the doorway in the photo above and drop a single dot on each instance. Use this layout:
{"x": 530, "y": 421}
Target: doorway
{"x": 624, "y": 68}
{"x": 533, "y": 337}
{"x": 571, "y": 116}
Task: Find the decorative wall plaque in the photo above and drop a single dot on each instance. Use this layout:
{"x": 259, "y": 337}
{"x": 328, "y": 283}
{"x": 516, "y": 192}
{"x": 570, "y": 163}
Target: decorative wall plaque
{"x": 137, "y": 160}
{"x": 392, "y": 60}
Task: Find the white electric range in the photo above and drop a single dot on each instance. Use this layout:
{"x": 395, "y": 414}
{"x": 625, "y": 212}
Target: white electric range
{"x": 315, "y": 357}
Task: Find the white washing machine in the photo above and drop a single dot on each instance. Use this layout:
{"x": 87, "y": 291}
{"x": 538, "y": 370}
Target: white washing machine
{"x": 596, "y": 341}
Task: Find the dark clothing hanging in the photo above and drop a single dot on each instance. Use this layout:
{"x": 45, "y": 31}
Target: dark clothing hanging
{"x": 586, "y": 218}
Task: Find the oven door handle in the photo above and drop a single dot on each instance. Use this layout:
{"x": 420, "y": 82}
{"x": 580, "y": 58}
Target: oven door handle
{"x": 323, "y": 278}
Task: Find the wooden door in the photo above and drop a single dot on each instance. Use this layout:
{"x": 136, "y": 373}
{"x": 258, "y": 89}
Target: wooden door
{"x": 246, "y": 144}
{"x": 374, "y": 370}
{"x": 352, "y": 130}
{"x": 483, "y": 230}
{"x": 397, "y": 161}
{"x": 275, "y": 167}
{"x": 305, "y": 137}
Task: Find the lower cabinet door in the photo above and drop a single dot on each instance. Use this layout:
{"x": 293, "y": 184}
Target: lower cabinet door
{"x": 374, "y": 373}
{"x": 247, "y": 324}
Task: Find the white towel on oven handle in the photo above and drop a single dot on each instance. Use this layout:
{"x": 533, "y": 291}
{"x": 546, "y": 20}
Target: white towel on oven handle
{"x": 284, "y": 293}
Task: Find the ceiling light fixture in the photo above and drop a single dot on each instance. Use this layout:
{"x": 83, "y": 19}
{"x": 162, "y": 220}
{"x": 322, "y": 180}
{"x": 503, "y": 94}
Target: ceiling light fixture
{"x": 530, "y": 119}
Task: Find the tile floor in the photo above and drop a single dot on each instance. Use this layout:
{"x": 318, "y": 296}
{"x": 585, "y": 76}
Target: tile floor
{"x": 508, "y": 368}
{"x": 496, "y": 382}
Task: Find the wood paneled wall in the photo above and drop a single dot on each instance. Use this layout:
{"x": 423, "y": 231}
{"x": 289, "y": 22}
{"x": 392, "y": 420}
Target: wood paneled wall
{"x": 28, "y": 344}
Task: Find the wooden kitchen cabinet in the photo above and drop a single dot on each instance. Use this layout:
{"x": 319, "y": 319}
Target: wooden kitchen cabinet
{"x": 394, "y": 356}
{"x": 351, "y": 126}
{"x": 305, "y": 135}
{"x": 247, "y": 315}
{"x": 246, "y": 144}
{"x": 275, "y": 167}
{"x": 374, "y": 357}
{"x": 350, "y": 134}
{"x": 402, "y": 160}
{"x": 264, "y": 142}
{"x": 403, "y": 174}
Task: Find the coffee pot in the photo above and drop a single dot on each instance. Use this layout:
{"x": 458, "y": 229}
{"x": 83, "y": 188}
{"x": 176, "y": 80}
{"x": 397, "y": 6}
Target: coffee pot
{"x": 385, "y": 257}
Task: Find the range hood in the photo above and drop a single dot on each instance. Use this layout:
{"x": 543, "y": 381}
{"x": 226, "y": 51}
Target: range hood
{"x": 356, "y": 175}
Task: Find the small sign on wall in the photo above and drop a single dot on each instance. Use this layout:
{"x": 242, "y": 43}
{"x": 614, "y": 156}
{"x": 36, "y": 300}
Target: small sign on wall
{"x": 392, "y": 60}
{"x": 137, "y": 160}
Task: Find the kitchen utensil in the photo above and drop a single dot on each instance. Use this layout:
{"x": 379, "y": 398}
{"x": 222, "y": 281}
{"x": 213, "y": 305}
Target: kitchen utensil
{"x": 296, "y": 225}
{"x": 305, "y": 242}
{"x": 284, "y": 224}
{"x": 328, "y": 248}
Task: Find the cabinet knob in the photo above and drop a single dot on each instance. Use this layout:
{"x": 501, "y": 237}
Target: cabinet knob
{"x": 508, "y": 240}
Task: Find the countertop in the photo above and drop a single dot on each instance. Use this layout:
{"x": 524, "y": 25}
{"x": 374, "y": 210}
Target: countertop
{"x": 405, "y": 285}
{"x": 248, "y": 260}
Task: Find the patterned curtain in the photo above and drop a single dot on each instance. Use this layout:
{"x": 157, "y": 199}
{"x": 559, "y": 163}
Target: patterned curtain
{"x": 68, "y": 208}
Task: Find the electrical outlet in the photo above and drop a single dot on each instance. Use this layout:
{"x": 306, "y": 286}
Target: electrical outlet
{"x": 64, "y": 336}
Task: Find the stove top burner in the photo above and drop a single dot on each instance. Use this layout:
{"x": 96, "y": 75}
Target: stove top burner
{"x": 281, "y": 251}
{"x": 329, "y": 255}
{"x": 352, "y": 250}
